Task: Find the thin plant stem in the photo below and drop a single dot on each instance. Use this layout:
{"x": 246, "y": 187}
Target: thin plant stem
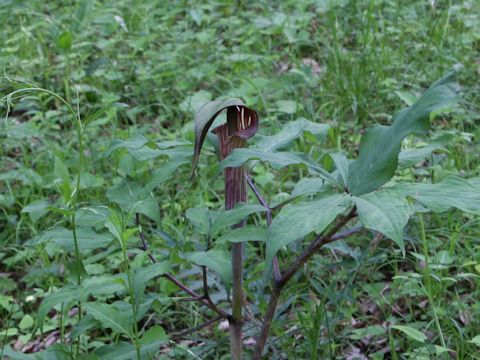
{"x": 268, "y": 215}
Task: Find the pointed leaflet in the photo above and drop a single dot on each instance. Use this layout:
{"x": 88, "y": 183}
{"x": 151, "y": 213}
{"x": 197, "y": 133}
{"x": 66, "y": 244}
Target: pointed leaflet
{"x": 298, "y": 220}
{"x": 67, "y": 294}
{"x": 380, "y": 145}
{"x": 385, "y": 211}
{"x": 277, "y": 160}
{"x": 216, "y": 260}
{"x": 144, "y": 275}
{"x": 110, "y": 317}
{"x": 451, "y": 192}
{"x": 210, "y": 222}
{"x": 411, "y": 157}
{"x": 204, "y": 118}
{"x": 243, "y": 234}
{"x": 291, "y": 131}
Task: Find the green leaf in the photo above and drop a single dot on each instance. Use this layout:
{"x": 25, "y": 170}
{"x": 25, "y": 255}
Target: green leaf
{"x": 88, "y": 322}
{"x": 137, "y": 146}
{"x": 67, "y": 294}
{"x": 380, "y": 145}
{"x": 200, "y": 218}
{"x": 17, "y": 355}
{"x": 341, "y": 163}
{"x": 475, "y": 340}
{"x": 105, "y": 285}
{"x": 37, "y": 209}
{"x": 143, "y": 275}
{"x": 195, "y": 101}
{"x": 87, "y": 238}
{"x": 385, "y": 211}
{"x": 126, "y": 351}
{"x": 308, "y": 186}
{"x": 277, "y": 160}
{"x": 407, "y": 98}
{"x": 243, "y": 234}
{"x": 286, "y": 106}
{"x": 411, "y": 332}
{"x": 411, "y": 157}
{"x": 223, "y": 219}
{"x": 210, "y": 222}
{"x": 218, "y": 261}
{"x": 298, "y": 220}
{"x": 64, "y": 41}
{"x": 26, "y": 322}
{"x": 154, "y": 334}
{"x": 110, "y": 317}
{"x": 450, "y": 192}
{"x": 204, "y": 118}
{"x": 291, "y": 131}
{"x": 130, "y": 196}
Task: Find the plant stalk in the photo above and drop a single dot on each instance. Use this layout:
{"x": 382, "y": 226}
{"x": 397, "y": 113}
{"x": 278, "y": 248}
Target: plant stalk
{"x": 235, "y": 192}
{"x": 332, "y": 235}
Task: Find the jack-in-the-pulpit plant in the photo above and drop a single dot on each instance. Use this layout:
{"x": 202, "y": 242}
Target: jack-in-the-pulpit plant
{"x": 241, "y": 124}
{"x": 359, "y": 195}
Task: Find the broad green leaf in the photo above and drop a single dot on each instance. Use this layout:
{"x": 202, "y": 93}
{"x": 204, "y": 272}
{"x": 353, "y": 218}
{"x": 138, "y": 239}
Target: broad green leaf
{"x": 164, "y": 173}
{"x": 243, "y": 234}
{"x": 476, "y": 340}
{"x": 94, "y": 216}
{"x": 53, "y": 352}
{"x": 60, "y": 170}
{"x": 291, "y": 131}
{"x": 298, "y": 220}
{"x": 154, "y": 334}
{"x": 200, "y": 218}
{"x": 411, "y": 332}
{"x": 126, "y": 351}
{"x": 64, "y": 41}
{"x": 87, "y": 238}
{"x": 88, "y": 322}
{"x": 308, "y": 186}
{"x": 143, "y": 275}
{"x": 216, "y": 260}
{"x": 410, "y": 157}
{"x": 204, "y": 118}
{"x": 26, "y": 322}
{"x": 67, "y": 294}
{"x": 105, "y": 285}
{"x": 451, "y": 192}
{"x": 380, "y": 145}
{"x": 386, "y": 211}
{"x": 37, "y": 209}
{"x": 110, "y": 317}
{"x": 137, "y": 146}
{"x": 223, "y": 219}
{"x": 341, "y": 163}
{"x": 286, "y": 106}
{"x": 210, "y": 222}
{"x": 195, "y": 101}
{"x": 277, "y": 160}
{"x": 130, "y": 195}
{"x": 407, "y": 98}
{"x": 88, "y": 181}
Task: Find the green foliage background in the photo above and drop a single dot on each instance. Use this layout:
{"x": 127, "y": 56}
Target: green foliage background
{"x": 136, "y": 71}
